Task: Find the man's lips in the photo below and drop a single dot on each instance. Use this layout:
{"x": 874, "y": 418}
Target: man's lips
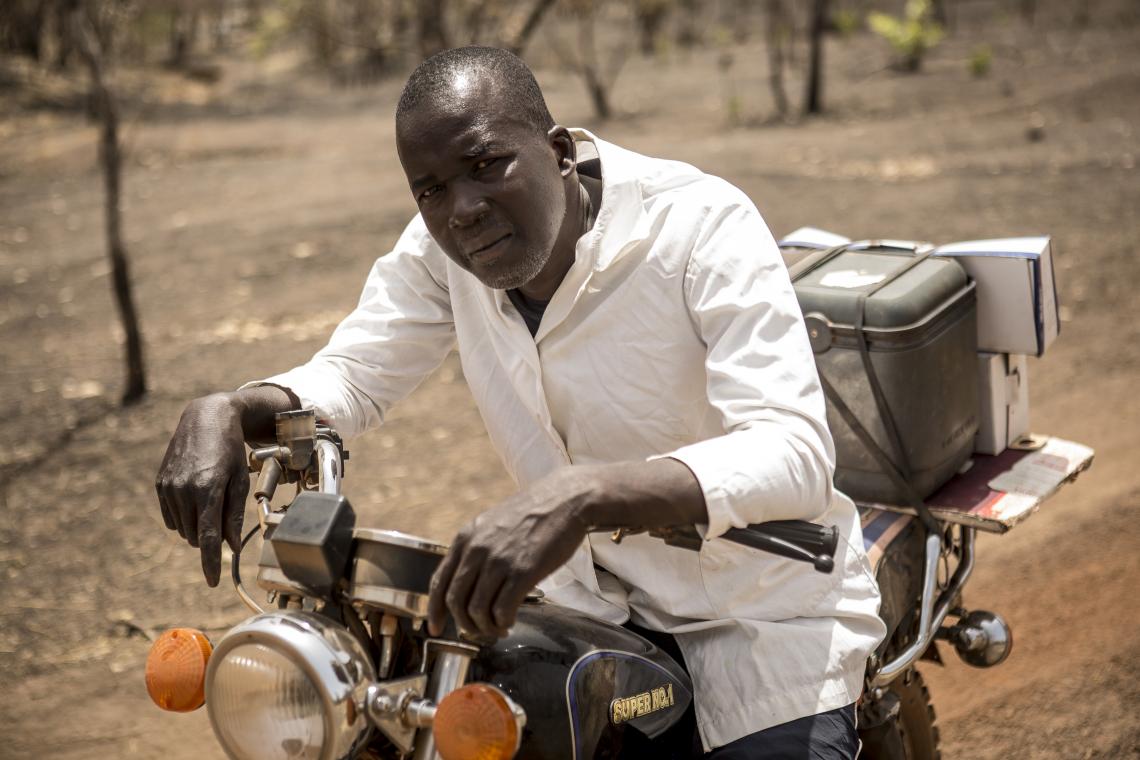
{"x": 487, "y": 249}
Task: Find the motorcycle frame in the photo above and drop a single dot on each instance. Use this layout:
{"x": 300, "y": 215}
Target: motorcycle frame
{"x": 325, "y": 472}
{"x": 936, "y": 603}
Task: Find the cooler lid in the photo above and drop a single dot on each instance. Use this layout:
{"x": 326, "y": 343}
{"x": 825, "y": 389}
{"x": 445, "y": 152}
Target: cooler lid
{"x": 833, "y": 287}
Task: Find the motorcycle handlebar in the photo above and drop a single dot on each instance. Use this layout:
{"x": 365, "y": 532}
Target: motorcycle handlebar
{"x": 794, "y": 539}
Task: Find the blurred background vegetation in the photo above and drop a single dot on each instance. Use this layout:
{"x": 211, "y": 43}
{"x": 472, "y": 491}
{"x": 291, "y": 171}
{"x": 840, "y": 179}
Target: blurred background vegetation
{"x": 357, "y": 42}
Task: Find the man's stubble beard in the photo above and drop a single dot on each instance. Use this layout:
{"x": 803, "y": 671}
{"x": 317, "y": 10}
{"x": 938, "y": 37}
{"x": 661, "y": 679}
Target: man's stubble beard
{"x": 519, "y": 273}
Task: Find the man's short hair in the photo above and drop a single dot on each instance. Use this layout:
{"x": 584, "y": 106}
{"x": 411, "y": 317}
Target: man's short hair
{"x": 514, "y": 82}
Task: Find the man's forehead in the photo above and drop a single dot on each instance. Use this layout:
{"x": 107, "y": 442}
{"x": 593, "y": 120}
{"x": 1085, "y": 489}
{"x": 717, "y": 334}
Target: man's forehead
{"x": 470, "y": 131}
{"x": 468, "y": 98}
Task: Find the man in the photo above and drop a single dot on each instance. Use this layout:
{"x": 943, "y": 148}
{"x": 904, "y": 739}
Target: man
{"x": 634, "y": 345}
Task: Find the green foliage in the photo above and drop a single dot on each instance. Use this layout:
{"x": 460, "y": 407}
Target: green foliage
{"x": 735, "y": 110}
{"x": 277, "y": 22}
{"x": 721, "y": 37}
{"x": 981, "y": 58}
{"x": 846, "y": 22}
{"x": 912, "y": 35}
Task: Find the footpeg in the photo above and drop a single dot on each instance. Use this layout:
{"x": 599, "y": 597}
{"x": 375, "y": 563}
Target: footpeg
{"x": 981, "y": 638}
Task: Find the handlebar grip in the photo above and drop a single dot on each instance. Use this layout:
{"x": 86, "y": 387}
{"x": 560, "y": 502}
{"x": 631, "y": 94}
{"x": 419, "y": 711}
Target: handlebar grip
{"x": 794, "y": 539}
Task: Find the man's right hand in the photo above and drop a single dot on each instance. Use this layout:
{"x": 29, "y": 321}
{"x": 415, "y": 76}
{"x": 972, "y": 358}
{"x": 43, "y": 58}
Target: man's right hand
{"x": 204, "y": 478}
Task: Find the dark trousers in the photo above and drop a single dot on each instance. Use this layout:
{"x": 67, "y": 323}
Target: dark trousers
{"x": 827, "y": 736}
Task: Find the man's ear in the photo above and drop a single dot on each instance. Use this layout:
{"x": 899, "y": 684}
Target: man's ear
{"x": 565, "y": 149}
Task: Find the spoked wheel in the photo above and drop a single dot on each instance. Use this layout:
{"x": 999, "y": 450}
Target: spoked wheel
{"x": 916, "y": 718}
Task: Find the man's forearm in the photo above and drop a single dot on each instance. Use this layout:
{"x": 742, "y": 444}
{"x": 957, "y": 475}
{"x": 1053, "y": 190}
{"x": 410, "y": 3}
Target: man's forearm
{"x": 498, "y": 557}
{"x": 660, "y": 493}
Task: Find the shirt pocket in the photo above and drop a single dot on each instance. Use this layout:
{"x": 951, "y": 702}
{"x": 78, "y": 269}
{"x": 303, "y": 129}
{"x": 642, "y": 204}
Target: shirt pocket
{"x": 742, "y": 582}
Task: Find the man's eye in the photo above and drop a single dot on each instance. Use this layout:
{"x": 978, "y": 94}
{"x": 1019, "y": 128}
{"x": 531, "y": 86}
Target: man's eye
{"x": 483, "y": 163}
{"x": 429, "y": 192}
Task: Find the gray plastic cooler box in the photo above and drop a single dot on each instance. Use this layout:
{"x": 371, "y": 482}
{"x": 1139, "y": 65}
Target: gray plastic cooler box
{"x": 918, "y": 327}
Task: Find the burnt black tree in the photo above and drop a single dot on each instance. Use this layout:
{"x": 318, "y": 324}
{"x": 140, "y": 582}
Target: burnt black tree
{"x": 432, "y": 35}
{"x": 813, "y": 100}
{"x": 533, "y": 19}
{"x": 21, "y": 24}
{"x": 92, "y": 52}
{"x": 777, "y": 32}
{"x": 650, "y": 16}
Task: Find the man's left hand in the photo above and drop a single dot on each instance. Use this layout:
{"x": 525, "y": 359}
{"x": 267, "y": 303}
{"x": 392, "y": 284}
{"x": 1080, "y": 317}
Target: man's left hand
{"x": 504, "y": 552}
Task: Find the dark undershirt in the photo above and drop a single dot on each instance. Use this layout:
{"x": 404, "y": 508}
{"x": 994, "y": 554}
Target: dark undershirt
{"x": 531, "y": 309}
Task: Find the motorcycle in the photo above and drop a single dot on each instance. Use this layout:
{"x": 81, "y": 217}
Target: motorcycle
{"x": 342, "y": 666}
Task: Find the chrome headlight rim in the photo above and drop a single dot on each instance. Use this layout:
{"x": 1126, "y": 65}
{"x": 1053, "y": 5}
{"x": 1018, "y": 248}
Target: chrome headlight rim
{"x": 335, "y": 663}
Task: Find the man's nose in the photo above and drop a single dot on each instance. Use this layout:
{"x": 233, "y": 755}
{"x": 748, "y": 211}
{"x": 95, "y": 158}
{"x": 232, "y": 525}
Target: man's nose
{"x": 468, "y": 207}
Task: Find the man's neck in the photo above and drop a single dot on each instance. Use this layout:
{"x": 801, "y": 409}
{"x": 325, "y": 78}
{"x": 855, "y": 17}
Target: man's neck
{"x": 579, "y": 218}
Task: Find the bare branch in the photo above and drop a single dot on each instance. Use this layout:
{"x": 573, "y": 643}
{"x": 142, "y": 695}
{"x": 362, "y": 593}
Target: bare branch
{"x": 91, "y": 49}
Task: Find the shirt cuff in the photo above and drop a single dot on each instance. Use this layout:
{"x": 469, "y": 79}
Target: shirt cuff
{"x": 753, "y": 475}
{"x": 714, "y": 479}
{"x": 315, "y": 391}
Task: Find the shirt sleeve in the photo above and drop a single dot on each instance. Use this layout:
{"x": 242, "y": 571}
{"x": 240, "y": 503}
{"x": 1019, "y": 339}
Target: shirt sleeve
{"x": 776, "y": 458}
{"x": 400, "y": 331}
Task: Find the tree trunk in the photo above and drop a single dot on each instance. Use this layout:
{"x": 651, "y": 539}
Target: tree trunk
{"x": 64, "y": 39}
{"x": 650, "y": 16}
{"x": 777, "y": 30}
{"x": 938, "y": 12}
{"x": 111, "y": 160}
{"x": 21, "y": 29}
{"x": 474, "y": 20}
{"x": 687, "y": 28}
{"x": 433, "y": 37}
{"x": 1083, "y": 14}
{"x": 599, "y": 96}
{"x": 813, "y": 101}
{"x": 1028, "y": 10}
{"x": 183, "y": 33}
{"x": 589, "y": 65}
{"x": 533, "y": 19}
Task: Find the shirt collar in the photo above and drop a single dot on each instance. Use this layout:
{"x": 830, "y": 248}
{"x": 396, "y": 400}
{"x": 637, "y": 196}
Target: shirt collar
{"x": 621, "y": 220}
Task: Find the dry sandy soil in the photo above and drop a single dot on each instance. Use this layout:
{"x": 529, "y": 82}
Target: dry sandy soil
{"x": 253, "y": 215}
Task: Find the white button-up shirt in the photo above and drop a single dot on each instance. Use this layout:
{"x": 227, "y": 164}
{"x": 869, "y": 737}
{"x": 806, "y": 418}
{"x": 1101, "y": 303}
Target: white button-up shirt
{"x": 676, "y": 332}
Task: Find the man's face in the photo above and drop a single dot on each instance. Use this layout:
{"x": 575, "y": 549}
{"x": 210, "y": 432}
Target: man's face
{"x": 490, "y": 188}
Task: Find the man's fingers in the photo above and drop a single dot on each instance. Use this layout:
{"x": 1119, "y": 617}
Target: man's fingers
{"x": 173, "y": 498}
{"x": 483, "y": 596}
{"x": 234, "y": 516}
{"x": 506, "y": 605}
{"x": 459, "y": 590}
{"x": 167, "y": 516}
{"x": 209, "y": 536}
{"x": 440, "y": 581}
{"x": 185, "y": 502}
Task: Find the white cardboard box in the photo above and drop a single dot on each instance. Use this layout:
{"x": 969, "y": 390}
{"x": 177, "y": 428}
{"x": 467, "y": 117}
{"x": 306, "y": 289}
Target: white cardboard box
{"x": 1003, "y": 395}
{"x": 1017, "y": 297}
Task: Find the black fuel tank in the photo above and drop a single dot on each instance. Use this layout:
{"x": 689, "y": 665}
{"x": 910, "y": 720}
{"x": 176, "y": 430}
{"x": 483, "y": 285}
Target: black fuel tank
{"x": 590, "y": 689}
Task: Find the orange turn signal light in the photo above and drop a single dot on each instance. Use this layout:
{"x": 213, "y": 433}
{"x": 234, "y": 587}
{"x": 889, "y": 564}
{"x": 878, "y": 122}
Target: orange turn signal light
{"x": 176, "y": 669}
{"x": 476, "y": 722}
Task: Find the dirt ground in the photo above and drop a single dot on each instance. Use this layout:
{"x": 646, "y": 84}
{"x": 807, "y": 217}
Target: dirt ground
{"x": 254, "y": 212}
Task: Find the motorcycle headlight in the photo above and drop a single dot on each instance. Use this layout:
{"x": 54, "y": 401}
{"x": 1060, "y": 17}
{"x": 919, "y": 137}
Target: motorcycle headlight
{"x": 288, "y": 685}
